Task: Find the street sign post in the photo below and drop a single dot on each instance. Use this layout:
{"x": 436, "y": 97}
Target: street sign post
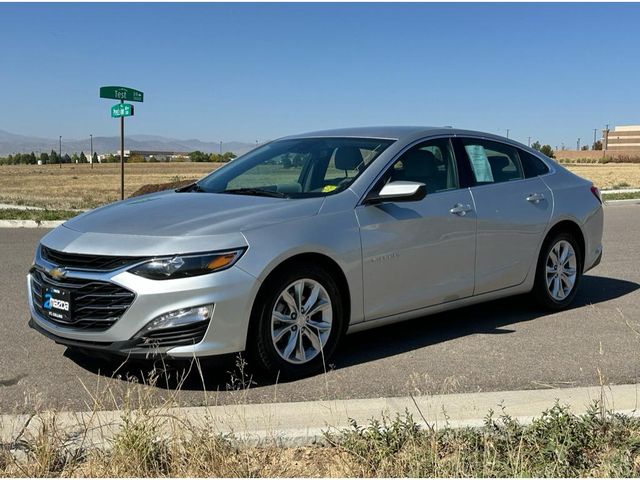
{"x": 121, "y": 93}
{"x": 120, "y": 111}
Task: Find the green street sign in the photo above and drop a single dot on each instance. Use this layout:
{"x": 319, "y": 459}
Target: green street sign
{"x": 121, "y": 93}
{"x": 122, "y": 110}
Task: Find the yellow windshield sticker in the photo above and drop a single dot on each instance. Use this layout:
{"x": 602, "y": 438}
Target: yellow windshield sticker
{"x": 329, "y": 188}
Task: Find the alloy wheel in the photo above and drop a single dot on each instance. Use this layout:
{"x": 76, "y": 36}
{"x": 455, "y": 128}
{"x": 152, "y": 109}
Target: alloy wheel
{"x": 301, "y": 321}
{"x": 561, "y": 270}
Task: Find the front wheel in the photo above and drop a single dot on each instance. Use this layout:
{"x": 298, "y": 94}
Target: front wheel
{"x": 558, "y": 273}
{"x": 298, "y": 324}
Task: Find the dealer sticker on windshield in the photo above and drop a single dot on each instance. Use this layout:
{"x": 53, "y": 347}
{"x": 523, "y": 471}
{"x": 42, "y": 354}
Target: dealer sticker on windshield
{"x": 56, "y": 302}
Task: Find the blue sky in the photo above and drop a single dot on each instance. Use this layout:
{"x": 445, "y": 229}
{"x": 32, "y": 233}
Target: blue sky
{"x": 258, "y": 71}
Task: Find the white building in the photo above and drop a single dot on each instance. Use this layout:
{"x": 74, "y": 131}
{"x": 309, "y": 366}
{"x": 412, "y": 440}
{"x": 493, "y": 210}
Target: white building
{"x": 622, "y": 137}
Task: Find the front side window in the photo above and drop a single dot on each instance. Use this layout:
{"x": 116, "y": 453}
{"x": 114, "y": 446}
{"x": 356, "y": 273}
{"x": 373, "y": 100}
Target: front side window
{"x": 296, "y": 167}
{"x": 431, "y": 163}
{"x": 492, "y": 162}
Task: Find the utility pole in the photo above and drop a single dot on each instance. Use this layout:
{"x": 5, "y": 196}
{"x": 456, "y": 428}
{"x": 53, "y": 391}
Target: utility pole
{"x": 507, "y": 133}
{"x": 595, "y": 130}
{"x": 60, "y": 152}
{"x": 91, "y": 157}
{"x": 528, "y": 141}
{"x": 578, "y": 144}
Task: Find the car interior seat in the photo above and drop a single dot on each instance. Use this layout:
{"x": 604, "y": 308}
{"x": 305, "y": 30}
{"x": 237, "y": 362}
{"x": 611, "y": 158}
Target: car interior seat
{"x": 348, "y": 159}
{"x": 499, "y": 170}
{"x": 422, "y": 166}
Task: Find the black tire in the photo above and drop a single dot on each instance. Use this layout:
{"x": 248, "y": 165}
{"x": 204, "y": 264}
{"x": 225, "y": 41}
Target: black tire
{"x": 261, "y": 351}
{"x": 541, "y": 292}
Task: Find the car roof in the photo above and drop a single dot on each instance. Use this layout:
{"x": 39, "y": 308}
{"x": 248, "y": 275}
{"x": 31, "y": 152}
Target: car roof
{"x": 395, "y": 133}
{"x": 389, "y": 132}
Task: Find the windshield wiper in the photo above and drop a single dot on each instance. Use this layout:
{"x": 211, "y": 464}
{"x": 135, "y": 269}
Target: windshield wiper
{"x": 192, "y": 187}
{"x": 256, "y": 191}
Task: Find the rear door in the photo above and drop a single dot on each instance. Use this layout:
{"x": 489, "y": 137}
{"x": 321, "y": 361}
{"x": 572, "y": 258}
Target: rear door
{"x": 513, "y": 209}
{"x": 419, "y": 253}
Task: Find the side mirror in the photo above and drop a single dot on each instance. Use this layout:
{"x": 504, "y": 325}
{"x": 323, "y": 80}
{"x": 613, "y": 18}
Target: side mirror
{"x": 398, "y": 192}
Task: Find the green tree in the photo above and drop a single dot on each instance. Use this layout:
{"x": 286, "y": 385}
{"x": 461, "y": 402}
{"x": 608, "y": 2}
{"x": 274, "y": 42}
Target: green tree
{"x": 198, "y": 156}
{"x": 536, "y": 145}
{"x": 228, "y": 156}
{"x": 597, "y": 145}
{"x": 83, "y": 158}
{"x": 94, "y": 159}
{"x": 66, "y": 158}
{"x": 547, "y": 150}
{"x": 53, "y": 157}
{"x": 44, "y": 158}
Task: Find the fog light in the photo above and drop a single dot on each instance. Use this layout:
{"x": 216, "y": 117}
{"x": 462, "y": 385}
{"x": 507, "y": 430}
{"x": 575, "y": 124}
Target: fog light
{"x": 178, "y": 318}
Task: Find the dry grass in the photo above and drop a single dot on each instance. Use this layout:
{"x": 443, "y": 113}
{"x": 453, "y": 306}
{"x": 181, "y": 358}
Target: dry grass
{"x": 609, "y": 175}
{"x": 557, "y": 444}
{"x": 78, "y": 186}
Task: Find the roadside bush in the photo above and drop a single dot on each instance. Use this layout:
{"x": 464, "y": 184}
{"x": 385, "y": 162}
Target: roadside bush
{"x": 558, "y": 444}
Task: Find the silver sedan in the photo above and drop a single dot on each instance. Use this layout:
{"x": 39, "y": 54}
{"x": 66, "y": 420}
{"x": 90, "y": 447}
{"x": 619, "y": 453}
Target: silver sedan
{"x": 283, "y": 251}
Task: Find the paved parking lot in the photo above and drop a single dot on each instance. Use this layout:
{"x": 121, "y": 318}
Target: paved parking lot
{"x": 501, "y": 345}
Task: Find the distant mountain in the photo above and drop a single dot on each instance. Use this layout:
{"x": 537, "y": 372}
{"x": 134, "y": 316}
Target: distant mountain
{"x": 12, "y": 143}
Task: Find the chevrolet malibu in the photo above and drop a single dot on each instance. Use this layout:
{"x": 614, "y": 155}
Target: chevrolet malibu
{"x": 283, "y": 251}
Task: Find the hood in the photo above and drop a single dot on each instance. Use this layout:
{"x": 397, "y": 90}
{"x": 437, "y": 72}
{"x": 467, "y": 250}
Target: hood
{"x": 167, "y": 223}
{"x": 178, "y": 214}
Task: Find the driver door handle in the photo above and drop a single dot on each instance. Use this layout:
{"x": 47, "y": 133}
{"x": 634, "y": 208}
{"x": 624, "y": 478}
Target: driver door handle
{"x": 535, "y": 197}
{"x": 460, "y": 209}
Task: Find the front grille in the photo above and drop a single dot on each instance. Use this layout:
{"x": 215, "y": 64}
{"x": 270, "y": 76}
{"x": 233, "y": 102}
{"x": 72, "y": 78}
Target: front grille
{"x": 96, "y": 305}
{"x": 101, "y": 263}
{"x": 174, "y": 337}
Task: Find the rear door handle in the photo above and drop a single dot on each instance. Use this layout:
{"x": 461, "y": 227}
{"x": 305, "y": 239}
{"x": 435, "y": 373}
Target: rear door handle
{"x": 460, "y": 209}
{"x": 535, "y": 197}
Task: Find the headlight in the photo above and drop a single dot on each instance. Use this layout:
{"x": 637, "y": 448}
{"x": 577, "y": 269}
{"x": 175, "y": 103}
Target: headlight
{"x": 182, "y": 266}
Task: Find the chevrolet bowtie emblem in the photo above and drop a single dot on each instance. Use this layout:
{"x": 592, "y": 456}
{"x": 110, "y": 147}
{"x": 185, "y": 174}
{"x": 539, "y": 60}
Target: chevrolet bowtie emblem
{"x": 57, "y": 273}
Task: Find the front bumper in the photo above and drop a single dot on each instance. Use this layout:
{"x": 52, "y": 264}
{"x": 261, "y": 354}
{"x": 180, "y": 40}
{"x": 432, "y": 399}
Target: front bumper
{"x": 230, "y": 291}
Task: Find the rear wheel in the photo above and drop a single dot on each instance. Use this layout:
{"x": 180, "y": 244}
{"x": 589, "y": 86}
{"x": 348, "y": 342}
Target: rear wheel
{"x": 559, "y": 272}
{"x": 298, "y": 324}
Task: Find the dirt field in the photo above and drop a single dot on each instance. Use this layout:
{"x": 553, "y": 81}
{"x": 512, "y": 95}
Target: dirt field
{"x": 79, "y": 186}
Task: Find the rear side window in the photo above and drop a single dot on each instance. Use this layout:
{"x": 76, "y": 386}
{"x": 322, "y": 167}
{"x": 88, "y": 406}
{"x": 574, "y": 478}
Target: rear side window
{"x": 492, "y": 162}
{"x": 532, "y": 165}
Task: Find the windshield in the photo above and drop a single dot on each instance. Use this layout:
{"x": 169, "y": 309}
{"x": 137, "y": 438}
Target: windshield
{"x": 296, "y": 167}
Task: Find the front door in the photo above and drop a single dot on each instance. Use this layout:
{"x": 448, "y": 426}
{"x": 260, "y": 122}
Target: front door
{"x": 419, "y": 253}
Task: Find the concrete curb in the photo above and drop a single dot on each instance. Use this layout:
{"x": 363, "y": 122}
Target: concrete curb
{"x": 305, "y": 423}
{"x": 628, "y": 201}
{"x": 622, "y": 190}
{"x": 30, "y": 223}
{"x": 29, "y": 207}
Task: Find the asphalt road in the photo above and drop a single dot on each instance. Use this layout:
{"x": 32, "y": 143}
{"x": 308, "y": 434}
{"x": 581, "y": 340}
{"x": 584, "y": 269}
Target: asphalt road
{"x": 501, "y": 345}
